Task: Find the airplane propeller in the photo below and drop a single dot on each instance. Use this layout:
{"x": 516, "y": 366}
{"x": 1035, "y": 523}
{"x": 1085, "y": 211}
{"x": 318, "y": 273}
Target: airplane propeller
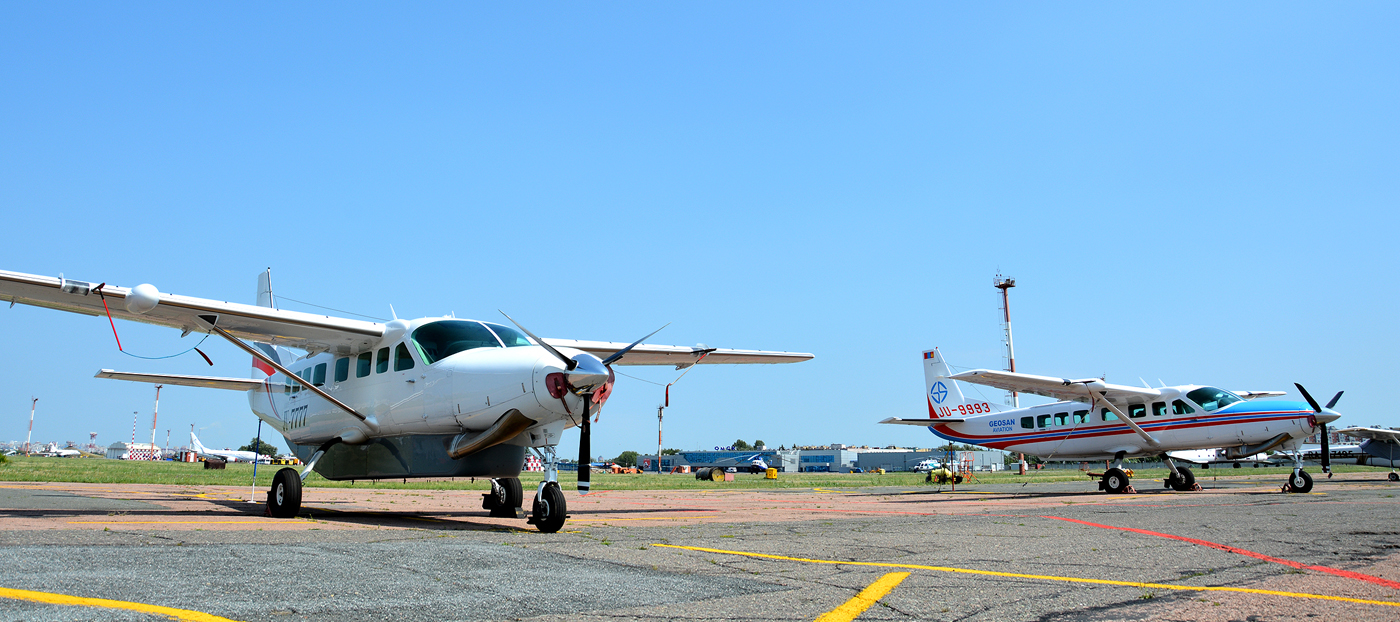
{"x": 1322, "y": 426}
{"x": 592, "y": 380}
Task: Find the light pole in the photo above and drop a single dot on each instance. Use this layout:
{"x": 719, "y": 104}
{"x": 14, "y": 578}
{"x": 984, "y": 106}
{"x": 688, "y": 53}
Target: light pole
{"x": 29, "y": 437}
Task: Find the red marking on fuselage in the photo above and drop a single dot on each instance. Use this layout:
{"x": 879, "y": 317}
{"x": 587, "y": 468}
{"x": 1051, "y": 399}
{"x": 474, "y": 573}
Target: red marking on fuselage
{"x": 263, "y": 367}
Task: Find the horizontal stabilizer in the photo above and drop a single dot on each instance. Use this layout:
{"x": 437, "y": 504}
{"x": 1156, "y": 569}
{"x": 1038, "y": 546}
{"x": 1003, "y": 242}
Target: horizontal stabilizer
{"x": 923, "y": 423}
{"x": 207, "y": 382}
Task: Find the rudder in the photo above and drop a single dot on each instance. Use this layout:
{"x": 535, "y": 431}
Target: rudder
{"x": 944, "y": 395}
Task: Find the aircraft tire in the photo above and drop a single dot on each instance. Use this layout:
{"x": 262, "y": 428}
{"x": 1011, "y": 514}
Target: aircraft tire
{"x": 284, "y": 500}
{"x": 1300, "y": 481}
{"x": 1238, "y": 465}
{"x": 506, "y": 499}
{"x": 550, "y": 509}
{"x": 1115, "y": 481}
{"x": 1185, "y": 482}
{"x": 1395, "y": 477}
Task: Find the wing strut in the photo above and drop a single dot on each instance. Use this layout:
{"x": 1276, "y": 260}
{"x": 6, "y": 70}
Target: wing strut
{"x": 257, "y": 354}
{"x": 1122, "y": 416}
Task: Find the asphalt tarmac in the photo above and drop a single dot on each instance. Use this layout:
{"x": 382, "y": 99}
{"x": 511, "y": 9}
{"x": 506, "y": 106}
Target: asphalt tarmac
{"x": 1238, "y": 550}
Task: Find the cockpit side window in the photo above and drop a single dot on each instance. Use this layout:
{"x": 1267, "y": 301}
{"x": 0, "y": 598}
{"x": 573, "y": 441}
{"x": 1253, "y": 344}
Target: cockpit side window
{"x": 509, "y": 336}
{"x": 1212, "y": 399}
{"x": 439, "y": 340}
{"x": 1181, "y": 408}
{"x": 402, "y": 359}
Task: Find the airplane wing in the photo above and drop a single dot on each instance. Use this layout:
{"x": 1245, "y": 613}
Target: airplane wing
{"x": 306, "y": 331}
{"x": 207, "y": 382}
{"x": 1377, "y": 434}
{"x": 1057, "y": 388}
{"x": 679, "y": 356}
{"x": 923, "y": 423}
{"x": 1254, "y": 395}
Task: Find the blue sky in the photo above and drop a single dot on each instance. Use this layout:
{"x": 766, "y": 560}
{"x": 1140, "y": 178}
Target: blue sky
{"x": 1198, "y": 193}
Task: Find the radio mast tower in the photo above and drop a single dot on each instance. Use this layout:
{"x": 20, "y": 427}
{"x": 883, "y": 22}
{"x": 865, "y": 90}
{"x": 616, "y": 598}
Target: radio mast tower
{"x": 1005, "y": 284}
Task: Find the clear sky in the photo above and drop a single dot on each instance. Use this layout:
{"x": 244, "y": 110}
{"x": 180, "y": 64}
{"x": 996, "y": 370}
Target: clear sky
{"x": 1191, "y": 193}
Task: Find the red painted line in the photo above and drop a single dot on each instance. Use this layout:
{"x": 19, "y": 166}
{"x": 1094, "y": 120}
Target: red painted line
{"x": 1238, "y": 551}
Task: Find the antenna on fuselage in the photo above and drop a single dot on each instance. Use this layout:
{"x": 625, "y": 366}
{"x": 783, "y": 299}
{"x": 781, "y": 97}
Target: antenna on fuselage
{"x": 392, "y": 313}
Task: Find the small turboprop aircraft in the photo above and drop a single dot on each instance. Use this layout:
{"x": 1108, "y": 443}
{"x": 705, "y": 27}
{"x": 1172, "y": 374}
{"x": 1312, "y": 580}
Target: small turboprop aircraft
{"x": 52, "y": 451}
{"x": 229, "y": 455}
{"x": 431, "y": 397}
{"x": 1381, "y": 443}
{"x": 1099, "y": 421}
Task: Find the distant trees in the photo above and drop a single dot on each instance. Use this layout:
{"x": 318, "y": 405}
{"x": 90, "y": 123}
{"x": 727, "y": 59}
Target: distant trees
{"x": 261, "y": 447}
{"x": 742, "y": 445}
{"x": 626, "y": 458}
{"x": 757, "y": 444}
{"x": 670, "y": 452}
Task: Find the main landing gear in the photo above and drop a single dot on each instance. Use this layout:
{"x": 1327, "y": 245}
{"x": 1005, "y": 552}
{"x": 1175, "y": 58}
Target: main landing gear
{"x": 1181, "y": 479}
{"x": 1116, "y": 480}
{"x": 505, "y": 498}
{"x": 550, "y": 511}
{"x": 284, "y": 499}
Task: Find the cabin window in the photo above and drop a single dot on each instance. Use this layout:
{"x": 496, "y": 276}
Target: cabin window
{"x": 1043, "y": 421}
{"x": 1107, "y": 415}
{"x": 1211, "y": 398}
{"x": 319, "y": 377}
{"x": 1181, "y": 408}
{"x": 1159, "y": 409}
{"x": 402, "y": 360}
{"x": 439, "y": 340}
{"x": 363, "y": 363}
{"x": 510, "y": 337}
{"x": 1061, "y": 418}
{"x": 1137, "y": 411}
{"x": 342, "y": 369}
{"x": 383, "y": 364}
{"x": 1028, "y": 422}
{"x": 1081, "y": 416}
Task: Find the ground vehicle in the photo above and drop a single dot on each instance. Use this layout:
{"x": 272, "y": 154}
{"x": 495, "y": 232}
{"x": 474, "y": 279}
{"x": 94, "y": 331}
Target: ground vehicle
{"x": 927, "y": 465}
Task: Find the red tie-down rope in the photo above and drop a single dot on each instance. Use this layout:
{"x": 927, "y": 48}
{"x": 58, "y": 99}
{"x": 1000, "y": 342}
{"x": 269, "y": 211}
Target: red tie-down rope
{"x": 98, "y": 289}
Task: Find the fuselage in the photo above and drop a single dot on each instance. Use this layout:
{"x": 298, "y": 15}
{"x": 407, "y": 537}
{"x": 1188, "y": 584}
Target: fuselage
{"x": 428, "y": 378}
{"x": 1182, "y": 418}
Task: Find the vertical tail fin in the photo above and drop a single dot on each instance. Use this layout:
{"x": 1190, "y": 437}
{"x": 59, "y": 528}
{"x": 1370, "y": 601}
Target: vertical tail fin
{"x": 196, "y": 445}
{"x": 260, "y": 369}
{"x": 945, "y": 397}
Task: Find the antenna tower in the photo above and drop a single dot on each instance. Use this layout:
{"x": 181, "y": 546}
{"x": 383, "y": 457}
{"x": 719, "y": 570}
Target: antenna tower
{"x": 1005, "y": 284}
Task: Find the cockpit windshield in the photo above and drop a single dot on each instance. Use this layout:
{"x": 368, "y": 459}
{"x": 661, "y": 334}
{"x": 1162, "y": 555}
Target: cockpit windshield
{"x": 509, "y": 336}
{"x": 439, "y": 340}
{"x": 1211, "y": 398}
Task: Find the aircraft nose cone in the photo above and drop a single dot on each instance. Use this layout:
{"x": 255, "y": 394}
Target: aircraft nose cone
{"x": 1328, "y": 416}
{"x": 590, "y": 373}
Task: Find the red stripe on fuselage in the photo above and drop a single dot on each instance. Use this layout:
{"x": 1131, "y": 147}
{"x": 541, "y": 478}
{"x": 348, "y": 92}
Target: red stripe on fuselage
{"x": 264, "y": 367}
{"x": 1084, "y": 433}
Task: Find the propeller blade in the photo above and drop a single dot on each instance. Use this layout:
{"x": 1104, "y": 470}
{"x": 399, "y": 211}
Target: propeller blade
{"x": 585, "y": 452}
{"x": 569, "y": 364}
{"x": 1311, "y": 402}
{"x": 1326, "y": 449}
{"x": 617, "y": 355}
{"x": 1336, "y": 397}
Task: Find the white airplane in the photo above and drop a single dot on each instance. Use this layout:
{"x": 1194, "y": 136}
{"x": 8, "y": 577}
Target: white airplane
{"x": 52, "y": 451}
{"x": 431, "y": 397}
{"x": 1099, "y": 421}
{"x": 228, "y": 455}
{"x": 1380, "y": 443}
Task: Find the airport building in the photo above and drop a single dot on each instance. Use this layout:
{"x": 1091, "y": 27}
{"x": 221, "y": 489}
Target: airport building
{"x": 832, "y": 458}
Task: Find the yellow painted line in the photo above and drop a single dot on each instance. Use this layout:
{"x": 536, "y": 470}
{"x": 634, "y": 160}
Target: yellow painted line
{"x": 841, "y": 492}
{"x": 1042, "y": 577}
{"x": 175, "y": 522}
{"x": 854, "y": 607}
{"x": 594, "y": 520}
{"x": 64, "y": 599}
